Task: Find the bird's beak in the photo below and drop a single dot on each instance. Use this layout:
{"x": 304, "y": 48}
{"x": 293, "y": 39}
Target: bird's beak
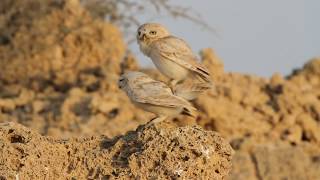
{"x": 142, "y": 37}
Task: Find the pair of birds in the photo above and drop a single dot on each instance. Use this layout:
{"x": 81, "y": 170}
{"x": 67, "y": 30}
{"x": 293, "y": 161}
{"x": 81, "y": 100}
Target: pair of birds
{"x": 173, "y": 58}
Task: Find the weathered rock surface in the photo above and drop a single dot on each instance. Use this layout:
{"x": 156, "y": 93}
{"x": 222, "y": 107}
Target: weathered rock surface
{"x": 147, "y": 153}
{"x": 54, "y": 41}
{"x": 273, "y": 124}
{"x": 276, "y": 161}
{"x": 59, "y": 68}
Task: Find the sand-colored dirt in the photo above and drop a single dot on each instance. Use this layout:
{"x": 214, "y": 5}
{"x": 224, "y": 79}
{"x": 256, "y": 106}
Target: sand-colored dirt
{"x": 59, "y": 68}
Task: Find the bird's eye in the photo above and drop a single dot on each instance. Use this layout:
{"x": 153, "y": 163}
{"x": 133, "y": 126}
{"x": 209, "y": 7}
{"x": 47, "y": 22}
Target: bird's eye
{"x": 121, "y": 80}
{"x": 139, "y": 33}
{"x": 153, "y": 32}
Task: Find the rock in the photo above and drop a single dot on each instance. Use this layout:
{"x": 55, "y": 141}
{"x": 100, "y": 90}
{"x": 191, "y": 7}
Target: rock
{"x": 56, "y": 41}
{"x": 213, "y": 62}
{"x": 310, "y": 128}
{"x": 244, "y": 168}
{"x": 60, "y": 68}
{"x": 312, "y": 67}
{"x": 274, "y": 161}
{"x": 130, "y": 63}
{"x": 282, "y": 162}
{"x": 149, "y": 152}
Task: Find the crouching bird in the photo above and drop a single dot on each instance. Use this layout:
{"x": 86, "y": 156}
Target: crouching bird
{"x": 154, "y": 96}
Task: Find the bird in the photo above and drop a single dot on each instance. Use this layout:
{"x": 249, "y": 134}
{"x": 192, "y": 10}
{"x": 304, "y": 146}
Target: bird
{"x": 190, "y": 89}
{"x": 154, "y": 96}
{"x": 172, "y": 56}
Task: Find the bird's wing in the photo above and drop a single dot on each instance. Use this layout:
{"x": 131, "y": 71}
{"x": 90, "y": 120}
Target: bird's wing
{"x": 192, "y": 87}
{"x": 156, "y": 93}
{"x": 190, "y": 90}
{"x": 178, "y": 51}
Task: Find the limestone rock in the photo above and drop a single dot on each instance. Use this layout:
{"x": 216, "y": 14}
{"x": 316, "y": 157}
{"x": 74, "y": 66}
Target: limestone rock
{"x": 54, "y": 40}
{"x": 148, "y": 152}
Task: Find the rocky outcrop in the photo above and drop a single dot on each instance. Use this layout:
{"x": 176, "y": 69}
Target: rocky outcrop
{"x": 59, "y": 68}
{"x": 54, "y": 41}
{"x": 273, "y": 124}
{"x": 147, "y": 153}
{"x": 277, "y": 161}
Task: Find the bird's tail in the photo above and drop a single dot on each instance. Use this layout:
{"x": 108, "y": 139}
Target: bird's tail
{"x": 203, "y": 74}
{"x": 191, "y": 91}
{"x": 190, "y": 111}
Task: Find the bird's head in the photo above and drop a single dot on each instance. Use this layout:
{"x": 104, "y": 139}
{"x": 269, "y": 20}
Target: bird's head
{"x": 132, "y": 78}
{"x": 149, "y": 32}
{"x": 122, "y": 82}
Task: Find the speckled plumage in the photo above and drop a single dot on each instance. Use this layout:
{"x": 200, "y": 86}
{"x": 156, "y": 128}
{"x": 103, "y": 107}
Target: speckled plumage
{"x": 171, "y": 55}
{"x": 153, "y": 96}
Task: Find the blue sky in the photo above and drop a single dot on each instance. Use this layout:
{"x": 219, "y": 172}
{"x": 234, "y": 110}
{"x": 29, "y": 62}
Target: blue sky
{"x": 256, "y": 37}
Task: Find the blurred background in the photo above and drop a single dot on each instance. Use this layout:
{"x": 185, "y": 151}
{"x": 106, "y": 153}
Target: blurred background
{"x": 255, "y": 37}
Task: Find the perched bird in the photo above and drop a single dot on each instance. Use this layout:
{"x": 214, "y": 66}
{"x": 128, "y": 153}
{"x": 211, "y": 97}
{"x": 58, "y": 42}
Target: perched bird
{"x": 154, "y": 96}
{"x": 171, "y": 55}
{"x": 190, "y": 89}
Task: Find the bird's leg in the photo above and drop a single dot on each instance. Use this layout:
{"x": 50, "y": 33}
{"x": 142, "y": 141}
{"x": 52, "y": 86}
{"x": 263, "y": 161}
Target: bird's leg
{"x": 156, "y": 120}
{"x": 159, "y": 119}
{"x": 174, "y": 82}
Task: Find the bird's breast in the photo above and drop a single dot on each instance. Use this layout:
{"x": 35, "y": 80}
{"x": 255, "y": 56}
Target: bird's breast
{"x": 145, "y": 49}
{"x": 168, "y": 67}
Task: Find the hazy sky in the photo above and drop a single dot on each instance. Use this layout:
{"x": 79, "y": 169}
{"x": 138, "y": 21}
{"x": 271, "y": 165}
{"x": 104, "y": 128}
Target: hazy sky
{"x": 256, "y": 37}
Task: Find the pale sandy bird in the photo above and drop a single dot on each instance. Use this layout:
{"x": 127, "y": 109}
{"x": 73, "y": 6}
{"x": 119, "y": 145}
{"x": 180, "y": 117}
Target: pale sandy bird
{"x": 171, "y": 55}
{"x": 154, "y": 96}
{"x": 190, "y": 89}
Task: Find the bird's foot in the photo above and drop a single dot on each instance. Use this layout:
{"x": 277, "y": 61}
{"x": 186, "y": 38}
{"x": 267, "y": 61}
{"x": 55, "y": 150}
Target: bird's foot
{"x": 174, "y": 82}
{"x": 155, "y": 121}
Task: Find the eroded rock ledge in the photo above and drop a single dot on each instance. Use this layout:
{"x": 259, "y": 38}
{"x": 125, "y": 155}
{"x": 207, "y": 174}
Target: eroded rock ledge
{"x": 159, "y": 152}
